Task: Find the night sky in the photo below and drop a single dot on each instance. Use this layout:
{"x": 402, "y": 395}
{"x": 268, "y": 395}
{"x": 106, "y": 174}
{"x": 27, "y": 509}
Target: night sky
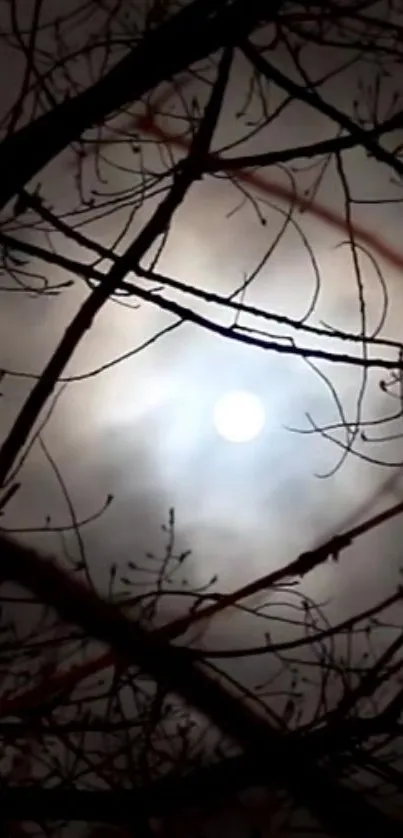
{"x": 143, "y": 430}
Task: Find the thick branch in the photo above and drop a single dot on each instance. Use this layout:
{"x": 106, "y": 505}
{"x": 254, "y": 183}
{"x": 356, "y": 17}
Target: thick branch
{"x": 341, "y": 810}
{"x": 169, "y": 795}
{"x": 192, "y": 34}
{"x": 84, "y": 318}
{"x": 166, "y": 796}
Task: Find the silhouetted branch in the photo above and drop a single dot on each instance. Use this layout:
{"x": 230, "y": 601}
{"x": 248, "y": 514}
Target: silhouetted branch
{"x": 84, "y": 318}
{"x": 311, "y": 98}
{"x": 304, "y": 152}
{"x": 341, "y": 810}
{"x": 164, "y": 52}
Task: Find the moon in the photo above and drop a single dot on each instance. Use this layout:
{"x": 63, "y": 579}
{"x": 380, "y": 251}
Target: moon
{"x": 239, "y": 416}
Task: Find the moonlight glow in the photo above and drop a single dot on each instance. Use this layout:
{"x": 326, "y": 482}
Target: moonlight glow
{"x": 239, "y": 416}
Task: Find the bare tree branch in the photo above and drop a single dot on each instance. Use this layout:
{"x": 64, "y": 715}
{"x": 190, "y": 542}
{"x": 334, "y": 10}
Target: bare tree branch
{"x": 341, "y": 810}
{"x": 164, "y": 52}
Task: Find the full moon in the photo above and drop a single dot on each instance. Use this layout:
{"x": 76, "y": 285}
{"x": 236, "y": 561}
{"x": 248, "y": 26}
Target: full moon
{"x": 239, "y": 416}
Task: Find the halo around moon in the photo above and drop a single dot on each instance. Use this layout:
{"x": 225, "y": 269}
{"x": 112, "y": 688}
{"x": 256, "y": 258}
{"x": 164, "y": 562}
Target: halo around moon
{"x": 239, "y": 416}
